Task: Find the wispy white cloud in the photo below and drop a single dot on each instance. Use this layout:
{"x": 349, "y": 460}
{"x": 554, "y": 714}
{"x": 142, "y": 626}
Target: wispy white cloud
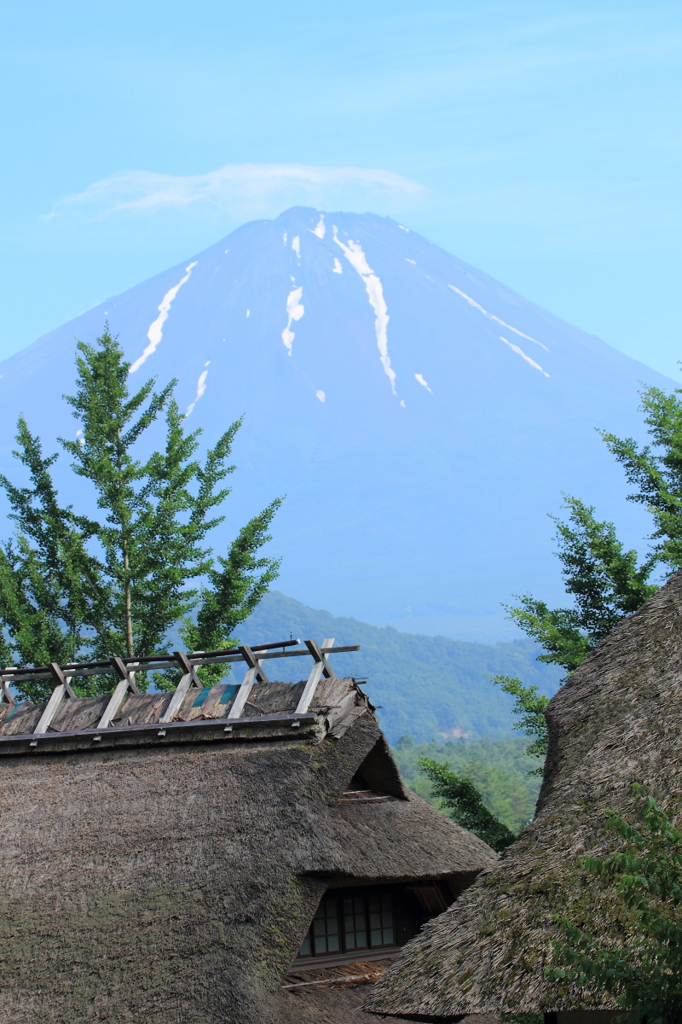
{"x": 255, "y": 189}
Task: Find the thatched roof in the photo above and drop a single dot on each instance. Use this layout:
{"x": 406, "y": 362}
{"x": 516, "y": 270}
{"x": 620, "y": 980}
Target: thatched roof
{"x": 335, "y": 995}
{"x": 172, "y": 877}
{"x": 615, "y": 721}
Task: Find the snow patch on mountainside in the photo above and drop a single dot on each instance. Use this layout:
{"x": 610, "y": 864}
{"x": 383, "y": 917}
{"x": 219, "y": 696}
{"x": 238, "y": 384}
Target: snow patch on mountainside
{"x": 296, "y": 246}
{"x": 375, "y": 292}
{"x": 520, "y": 352}
{"x": 201, "y": 388}
{"x": 321, "y": 395}
{"x": 491, "y": 316}
{"x": 421, "y": 380}
{"x": 155, "y": 332}
{"x": 320, "y": 227}
{"x": 294, "y": 312}
{"x": 338, "y": 269}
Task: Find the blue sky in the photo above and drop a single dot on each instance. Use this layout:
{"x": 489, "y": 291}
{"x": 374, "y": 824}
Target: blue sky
{"x": 538, "y": 141}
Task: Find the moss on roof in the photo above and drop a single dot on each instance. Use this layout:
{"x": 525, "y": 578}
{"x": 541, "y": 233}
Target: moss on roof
{"x": 616, "y": 720}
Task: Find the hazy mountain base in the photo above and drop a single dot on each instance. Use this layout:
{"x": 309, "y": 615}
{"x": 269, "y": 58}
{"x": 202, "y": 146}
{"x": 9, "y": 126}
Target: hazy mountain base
{"x": 427, "y": 686}
{"x": 498, "y": 768}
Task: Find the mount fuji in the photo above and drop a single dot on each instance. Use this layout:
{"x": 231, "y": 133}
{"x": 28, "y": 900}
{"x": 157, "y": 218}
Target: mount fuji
{"x": 420, "y": 417}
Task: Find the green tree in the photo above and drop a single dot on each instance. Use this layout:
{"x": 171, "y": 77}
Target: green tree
{"x": 529, "y": 709}
{"x": 606, "y": 583}
{"x": 656, "y": 472}
{"x": 75, "y": 587}
{"x": 497, "y": 768}
{"x": 604, "y": 579}
{"x": 465, "y": 805}
{"x": 642, "y": 968}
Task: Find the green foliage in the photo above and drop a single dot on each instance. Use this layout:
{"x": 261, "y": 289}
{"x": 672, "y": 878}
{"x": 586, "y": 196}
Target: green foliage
{"x": 656, "y": 472}
{"x": 606, "y": 583}
{"x": 604, "y": 579}
{"x": 235, "y": 590}
{"x": 72, "y": 587}
{"x": 643, "y": 971}
{"x": 530, "y": 713}
{"x": 497, "y": 768}
{"x": 50, "y": 586}
{"x": 464, "y": 804}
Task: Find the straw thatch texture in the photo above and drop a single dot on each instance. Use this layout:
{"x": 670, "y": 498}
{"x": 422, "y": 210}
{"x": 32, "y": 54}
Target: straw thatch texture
{"x": 336, "y": 1004}
{"x": 141, "y": 709}
{"x": 616, "y": 721}
{"x": 173, "y": 885}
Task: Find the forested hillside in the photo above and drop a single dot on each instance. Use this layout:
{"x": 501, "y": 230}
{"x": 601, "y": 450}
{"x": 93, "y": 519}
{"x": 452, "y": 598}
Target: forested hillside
{"x": 429, "y": 687}
{"x": 498, "y": 768}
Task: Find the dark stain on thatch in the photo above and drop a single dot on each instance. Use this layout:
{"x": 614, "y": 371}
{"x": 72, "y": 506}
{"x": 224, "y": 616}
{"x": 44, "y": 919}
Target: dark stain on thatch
{"x": 174, "y": 884}
{"x": 614, "y": 722}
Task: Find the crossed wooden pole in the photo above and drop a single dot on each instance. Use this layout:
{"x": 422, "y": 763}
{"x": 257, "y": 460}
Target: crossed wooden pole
{"x": 126, "y": 669}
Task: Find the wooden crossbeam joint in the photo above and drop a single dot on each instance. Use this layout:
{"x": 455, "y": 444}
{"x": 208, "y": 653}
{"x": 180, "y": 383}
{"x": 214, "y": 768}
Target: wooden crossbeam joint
{"x": 61, "y": 690}
{"x": 188, "y": 669}
{"x": 319, "y": 655}
{"x": 6, "y": 694}
{"x": 126, "y": 684}
{"x": 124, "y": 672}
{"x": 319, "y": 665}
{"x": 61, "y": 679}
{"x": 251, "y": 660}
{"x": 188, "y": 681}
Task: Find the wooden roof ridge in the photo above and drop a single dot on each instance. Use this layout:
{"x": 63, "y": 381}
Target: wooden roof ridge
{"x": 614, "y": 722}
{"x": 191, "y": 711}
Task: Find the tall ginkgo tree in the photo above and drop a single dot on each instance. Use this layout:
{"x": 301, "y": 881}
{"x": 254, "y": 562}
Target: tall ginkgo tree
{"x": 76, "y": 586}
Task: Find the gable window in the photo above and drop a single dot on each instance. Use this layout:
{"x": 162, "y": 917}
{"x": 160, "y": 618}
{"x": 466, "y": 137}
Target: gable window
{"x": 380, "y": 913}
{"x": 344, "y": 924}
{"x": 325, "y": 927}
{"x": 355, "y": 922}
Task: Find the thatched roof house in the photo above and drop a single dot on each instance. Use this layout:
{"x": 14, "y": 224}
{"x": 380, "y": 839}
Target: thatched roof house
{"x": 615, "y": 721}
{"x": 172, "y": 857}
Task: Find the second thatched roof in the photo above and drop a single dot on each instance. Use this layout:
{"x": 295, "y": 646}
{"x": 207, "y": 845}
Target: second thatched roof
{"x": 616, "y": 721}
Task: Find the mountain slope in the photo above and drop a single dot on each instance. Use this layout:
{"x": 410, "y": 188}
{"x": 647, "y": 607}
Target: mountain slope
{"x": 429, "y": 687}
{"x": 420, "y": 417}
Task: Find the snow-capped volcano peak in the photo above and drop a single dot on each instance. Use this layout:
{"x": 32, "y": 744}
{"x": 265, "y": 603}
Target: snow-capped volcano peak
{"x": 420, "y": 416}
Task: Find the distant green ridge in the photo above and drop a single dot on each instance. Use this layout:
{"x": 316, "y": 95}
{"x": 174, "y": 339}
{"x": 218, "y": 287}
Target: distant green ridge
{"x": 427, "y": 686}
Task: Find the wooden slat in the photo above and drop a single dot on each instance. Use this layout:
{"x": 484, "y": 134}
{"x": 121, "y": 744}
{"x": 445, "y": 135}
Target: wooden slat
{"x": 61, "y": 690}
{"x": 254, "y": 672}
{"x": 243, "y": 694}
{"x": 51, "y": 709}
{"x": 316, "y": 671}
{"x": 176, "y": 699}
{"x": 151, "y": 734}
{"x": 148, "y": 663}
{"x": 125, "y": 669}
{"x": 125, "y": 685}
{"x": 188, "y": 680}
